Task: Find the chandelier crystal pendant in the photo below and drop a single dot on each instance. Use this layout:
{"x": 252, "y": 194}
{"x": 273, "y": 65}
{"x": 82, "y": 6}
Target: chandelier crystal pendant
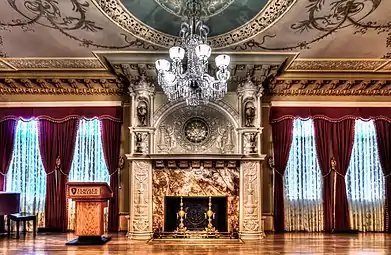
{"x": 187, "y": 76}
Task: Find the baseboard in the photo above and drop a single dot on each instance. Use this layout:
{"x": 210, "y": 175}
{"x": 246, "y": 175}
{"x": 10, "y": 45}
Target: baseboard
{"x": 348, "y": 232}
{"x": 49, "y": 230}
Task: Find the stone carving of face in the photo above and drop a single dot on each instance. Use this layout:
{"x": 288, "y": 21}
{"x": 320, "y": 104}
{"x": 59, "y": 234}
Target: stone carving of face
{"x": 142, "y": 113}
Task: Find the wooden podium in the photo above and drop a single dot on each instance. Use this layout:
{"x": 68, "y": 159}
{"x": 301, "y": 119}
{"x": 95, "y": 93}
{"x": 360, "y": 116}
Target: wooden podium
{"x": 91, "y": 198}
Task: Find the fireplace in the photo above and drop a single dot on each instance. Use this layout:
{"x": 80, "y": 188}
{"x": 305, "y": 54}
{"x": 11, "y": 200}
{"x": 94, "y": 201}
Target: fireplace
{"x": 195, "y": 208}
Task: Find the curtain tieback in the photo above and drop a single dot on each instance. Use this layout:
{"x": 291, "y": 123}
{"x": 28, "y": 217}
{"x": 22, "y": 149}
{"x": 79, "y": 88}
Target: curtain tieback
{"x": 62, "y": 172}
{"x": 329, "y": 172}
{"x": 343, "y": 176}
{"x": 3, "y": 174}
{"x": 388, "y": 175}
{"x": 278, "y": 172}
{"x": 52, "y": 172}
{"x": 113, "y": 173}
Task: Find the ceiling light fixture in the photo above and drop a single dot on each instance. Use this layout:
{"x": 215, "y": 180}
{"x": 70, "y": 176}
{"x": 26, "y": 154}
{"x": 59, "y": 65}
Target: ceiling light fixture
{"x": 187, "y": 76}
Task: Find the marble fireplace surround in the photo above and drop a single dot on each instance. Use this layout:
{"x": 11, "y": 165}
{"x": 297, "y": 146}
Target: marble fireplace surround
{"x": 154, "y": 176}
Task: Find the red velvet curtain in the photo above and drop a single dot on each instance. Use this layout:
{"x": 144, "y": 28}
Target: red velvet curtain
{"x": 342, "y": 146}
{"x": 282, "y": 133}
{"x": 323, "y": 140}
{"x": 57, "y": 142}
{"x": 383, "y": 132}
{"x": 111, "y": 140}
{"x": 7, "y": 137}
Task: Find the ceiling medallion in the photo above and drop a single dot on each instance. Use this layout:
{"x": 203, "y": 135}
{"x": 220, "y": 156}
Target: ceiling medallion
{"x": 193, "y": 83}
{"x": 120, "y": 15}
{"x": 196, "y": 130}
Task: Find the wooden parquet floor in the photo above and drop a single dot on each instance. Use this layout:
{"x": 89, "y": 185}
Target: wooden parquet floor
{"x": 292, "y": 243}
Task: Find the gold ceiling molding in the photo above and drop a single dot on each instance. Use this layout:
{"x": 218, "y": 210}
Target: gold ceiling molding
{"x": 340, "y": 65}
{"x": 98, "y": 64}
{"x": 332, "y": 87}
{"x": 290, "y": 103}
{"x": 51, "y": 64}
{"x": 119, "y": 15}
{"x": 61, "y": 104}
{"x": 111, "y": 86}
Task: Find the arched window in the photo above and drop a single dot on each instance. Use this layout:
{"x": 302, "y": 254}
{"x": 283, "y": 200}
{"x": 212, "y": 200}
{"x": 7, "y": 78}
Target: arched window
{"x": 303, "y": 181}
{"x": 365, "y": 180}
{"x": 26, "y": 173}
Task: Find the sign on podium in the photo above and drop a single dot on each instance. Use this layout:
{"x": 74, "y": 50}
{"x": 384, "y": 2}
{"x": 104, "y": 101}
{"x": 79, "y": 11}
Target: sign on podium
{"x": 91, "y": 198}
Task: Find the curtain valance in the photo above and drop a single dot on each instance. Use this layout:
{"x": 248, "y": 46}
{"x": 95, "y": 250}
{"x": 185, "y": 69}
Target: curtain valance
{"x": 61, "y": 114}
{"x": 332, "y": 114}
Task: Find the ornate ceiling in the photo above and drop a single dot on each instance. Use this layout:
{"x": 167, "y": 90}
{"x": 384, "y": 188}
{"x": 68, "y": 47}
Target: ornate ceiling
{"x": 328, "y": 35}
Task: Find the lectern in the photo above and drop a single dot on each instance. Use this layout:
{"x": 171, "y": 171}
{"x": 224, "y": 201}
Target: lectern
{"x": 91, "y": 198}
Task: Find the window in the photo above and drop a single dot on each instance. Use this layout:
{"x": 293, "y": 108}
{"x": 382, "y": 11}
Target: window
{"x": 303, "y": 181}
{"x": 88, "y": 164}
{"x": 365, "y": 180}
{"x": 26, "y": 173}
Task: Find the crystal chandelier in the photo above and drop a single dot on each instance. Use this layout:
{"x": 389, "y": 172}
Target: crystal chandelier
{"x": 187, "y": 76}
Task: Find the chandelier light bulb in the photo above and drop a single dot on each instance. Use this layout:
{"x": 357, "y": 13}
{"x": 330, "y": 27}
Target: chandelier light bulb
{"x": 162, "y": 65}
{"x": 222, "y": 61}
{"x": 177, "y": 53}
{"x": 203, "y": 51}
{"x": 170, "y": 77}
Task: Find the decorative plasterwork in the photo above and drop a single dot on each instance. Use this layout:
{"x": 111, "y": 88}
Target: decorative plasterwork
{"x": 132, "y": 66}
{"x": 338, "y": 65}
{"x": 331, "y": 87}
{"x": 63, "y": 64}
{"x": 61, "y": 86}
{"x": 117, "y": 12}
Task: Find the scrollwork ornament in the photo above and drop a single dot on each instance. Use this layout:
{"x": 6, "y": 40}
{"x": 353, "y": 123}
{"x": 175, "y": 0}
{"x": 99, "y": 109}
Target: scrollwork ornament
{"x": 142, "y": 172}
{"x": 196, "y": 130}
{"x": 53, "y": 15}
{"x": 251, "y": 207}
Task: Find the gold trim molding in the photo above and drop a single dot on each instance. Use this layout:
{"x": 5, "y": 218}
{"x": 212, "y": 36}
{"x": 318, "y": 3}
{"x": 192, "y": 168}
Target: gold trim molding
{"x": 332, "y": 87}
{"x": 340, "y": 65}
{"x": 97, "y": 64}
{"x": 10, "y": 86}
{"x": 51, "y": 64}
{"x": 61, "y": 104}
{"x": 328, "y": 104}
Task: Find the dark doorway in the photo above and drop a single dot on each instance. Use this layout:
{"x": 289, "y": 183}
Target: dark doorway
{"x": 195, "y": 208}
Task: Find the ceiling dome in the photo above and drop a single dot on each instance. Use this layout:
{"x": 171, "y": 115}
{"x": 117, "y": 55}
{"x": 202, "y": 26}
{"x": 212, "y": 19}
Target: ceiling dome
{"x": 222, "y": 16}
{"x": 230, "y": 21}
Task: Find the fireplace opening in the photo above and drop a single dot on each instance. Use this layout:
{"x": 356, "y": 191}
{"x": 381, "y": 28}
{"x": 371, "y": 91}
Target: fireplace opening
{"x": 195, "y": 209}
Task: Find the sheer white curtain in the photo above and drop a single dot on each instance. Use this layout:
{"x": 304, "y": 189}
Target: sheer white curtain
{"x": 303, "y": 182}
{"x": 26, "y": 173}
{"x": 88, "y": 164}
{"x": 365, "y": 180}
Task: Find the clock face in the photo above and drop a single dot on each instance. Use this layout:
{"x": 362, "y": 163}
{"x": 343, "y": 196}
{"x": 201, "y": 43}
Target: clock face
{"x": 196, "y": 130}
